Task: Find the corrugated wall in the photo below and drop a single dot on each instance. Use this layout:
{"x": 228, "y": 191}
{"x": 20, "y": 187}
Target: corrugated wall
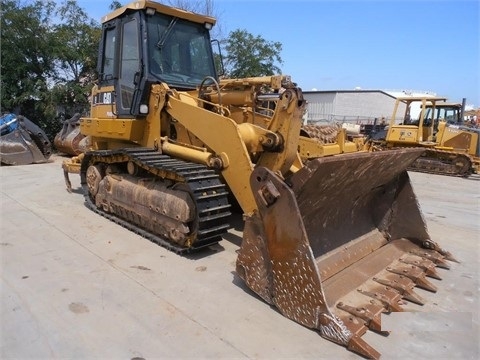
{"x": 349, "y": 106}
{"x": 321, "y": 106}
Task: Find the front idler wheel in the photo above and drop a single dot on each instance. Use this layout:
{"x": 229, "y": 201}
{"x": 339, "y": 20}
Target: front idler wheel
{"x": 94, "y": 176}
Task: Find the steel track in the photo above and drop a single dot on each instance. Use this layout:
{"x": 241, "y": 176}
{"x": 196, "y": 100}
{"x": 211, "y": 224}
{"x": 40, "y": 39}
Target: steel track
{"x": 204, "y": 184}
{"x": 443, "y": 166}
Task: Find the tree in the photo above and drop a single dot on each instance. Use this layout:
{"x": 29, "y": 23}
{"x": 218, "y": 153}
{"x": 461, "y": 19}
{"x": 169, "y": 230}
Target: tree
{"x": 77, "y": 43}
{"x": 46, "y": 68}
{"x": 26, "y": 59}
{"x": 205, "y": 7}
{"x": 197, "y": 6}
{"x": 249, "y": 55}
{"x": 115, "y": 5}
{"x": 76, "y": 53}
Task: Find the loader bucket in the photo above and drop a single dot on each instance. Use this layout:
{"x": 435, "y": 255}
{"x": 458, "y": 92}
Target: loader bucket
{"x": 25, "y": 144}
{"x": 338, "y": 243}
{"x": 69, "y": 137}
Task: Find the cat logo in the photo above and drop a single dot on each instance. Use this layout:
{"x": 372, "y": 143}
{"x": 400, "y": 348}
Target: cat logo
{"x": 103, "y": 98}
{"x": 405, "y": 134}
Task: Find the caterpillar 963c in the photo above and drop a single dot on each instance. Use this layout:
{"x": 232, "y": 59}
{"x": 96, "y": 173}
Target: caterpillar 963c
{"x": 22, "y": 142}
{"x": 450, "y": 148}
{"x": 331, "y": 241}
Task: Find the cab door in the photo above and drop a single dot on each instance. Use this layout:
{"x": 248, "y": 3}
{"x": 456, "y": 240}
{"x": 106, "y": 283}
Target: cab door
{"x": 129, "y": 66}
{"x": 120, "y": 67}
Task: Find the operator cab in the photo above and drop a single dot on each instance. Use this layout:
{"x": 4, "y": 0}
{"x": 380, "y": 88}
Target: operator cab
{"x": 156, "y": 44}
{"x": 409, "y": 131}
{"x": 448, "y": 112}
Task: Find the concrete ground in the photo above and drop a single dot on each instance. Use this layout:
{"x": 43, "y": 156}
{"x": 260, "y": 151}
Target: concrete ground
{"x": 74, "y": 285}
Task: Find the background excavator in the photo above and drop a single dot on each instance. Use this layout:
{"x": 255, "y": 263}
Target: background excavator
{"x": 333, "y": 235}
{"x": 450, "y": 147}
{"x": 22, "y": 142}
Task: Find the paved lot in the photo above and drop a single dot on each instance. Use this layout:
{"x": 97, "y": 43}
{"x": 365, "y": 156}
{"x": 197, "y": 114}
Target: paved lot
{"x": 74, "y": 285}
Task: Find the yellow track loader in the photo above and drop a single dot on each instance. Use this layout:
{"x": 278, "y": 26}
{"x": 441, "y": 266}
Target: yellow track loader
{"x": 333, "y": 235}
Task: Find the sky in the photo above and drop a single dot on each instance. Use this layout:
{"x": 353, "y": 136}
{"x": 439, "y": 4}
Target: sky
{"x": 413, "y": 45}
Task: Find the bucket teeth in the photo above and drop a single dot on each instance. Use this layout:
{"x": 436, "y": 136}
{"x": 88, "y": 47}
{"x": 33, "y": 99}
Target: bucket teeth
{"x": 370, "y": 314}
{"x": 416, "y": 274}
{"x": 391, "y": 299}
{"x": 423, "y": 283}
{"x": 433, "y": 256}
{"x": 404, "y": 286}
{"x": 425, "y": 264}
{"x": 359, "y": 346}
{"x": 448, "y": 255}
{"x": 430, "y": 244}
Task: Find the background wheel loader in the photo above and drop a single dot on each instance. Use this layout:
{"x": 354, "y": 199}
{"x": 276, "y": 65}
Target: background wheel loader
{"x": 22, "y": 142}
{"x": 331, "y": 241}
{"x": 450, "y": 147}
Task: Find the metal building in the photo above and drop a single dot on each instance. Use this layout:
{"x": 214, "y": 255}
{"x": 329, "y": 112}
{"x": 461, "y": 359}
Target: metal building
{"x": 351, "y": 106}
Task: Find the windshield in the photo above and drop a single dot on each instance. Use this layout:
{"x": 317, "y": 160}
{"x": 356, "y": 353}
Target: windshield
{"x": 179, "y": 51}
{"x": 448, "y": 114}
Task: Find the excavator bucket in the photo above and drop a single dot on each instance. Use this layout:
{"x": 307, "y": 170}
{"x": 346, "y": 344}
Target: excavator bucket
{"x": 340, "y": 242}
{"x": 68, "y": 140}
{"x": 22, "y": 142}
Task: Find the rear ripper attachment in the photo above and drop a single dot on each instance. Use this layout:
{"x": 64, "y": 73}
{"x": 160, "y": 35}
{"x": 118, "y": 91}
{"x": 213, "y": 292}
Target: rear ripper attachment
{"x": 354, "y": 247}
